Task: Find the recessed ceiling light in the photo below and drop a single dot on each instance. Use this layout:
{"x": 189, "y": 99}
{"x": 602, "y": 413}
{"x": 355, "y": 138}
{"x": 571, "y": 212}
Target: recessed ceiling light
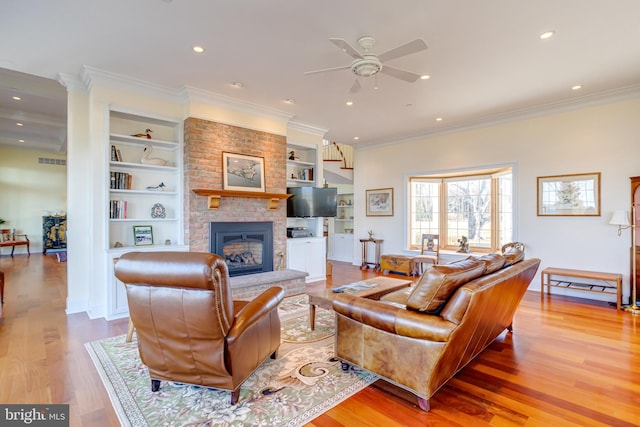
{"x": 19, "y": 124}
{"x": 21, "y": 140}
{"x": 17, "y": 98}
{"x": 198, "y": 49}
{"x": 439, "y": 119}
{"x": 425, "y": 77}
{"x": 356, "y": 138}
{"x": 576, "y": 87}
{"x": 237, "y": 84}
{"x": 349, "y": 103}
{"x": 290, "y": 101}
{"x": 547, "y": 35}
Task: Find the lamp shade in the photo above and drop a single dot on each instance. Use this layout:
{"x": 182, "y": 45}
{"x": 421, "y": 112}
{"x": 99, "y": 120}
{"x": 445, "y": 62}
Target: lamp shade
{"x": 620, "y": 218}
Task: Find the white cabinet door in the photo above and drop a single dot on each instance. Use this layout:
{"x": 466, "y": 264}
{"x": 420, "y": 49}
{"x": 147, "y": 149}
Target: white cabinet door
{"x": 308, "y": 255}
{"x": 342, "y": 247}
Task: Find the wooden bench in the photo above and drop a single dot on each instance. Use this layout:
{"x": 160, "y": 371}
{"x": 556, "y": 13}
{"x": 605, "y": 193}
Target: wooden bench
{"x": 398, "y": 264}
{"x": 562, "y": 273}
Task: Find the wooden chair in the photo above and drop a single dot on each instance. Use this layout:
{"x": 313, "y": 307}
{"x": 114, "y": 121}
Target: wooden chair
{"x": 429, "y": 254}
{"x": 9, "y": 238}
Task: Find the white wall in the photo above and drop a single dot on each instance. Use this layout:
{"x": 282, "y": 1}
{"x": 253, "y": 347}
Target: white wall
{"x": 28, "y": 189}
{"x": 603, "y": 138}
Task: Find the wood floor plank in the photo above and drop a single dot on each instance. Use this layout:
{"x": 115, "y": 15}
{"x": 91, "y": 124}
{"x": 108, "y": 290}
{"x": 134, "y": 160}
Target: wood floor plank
{"x": 569, "y": 362}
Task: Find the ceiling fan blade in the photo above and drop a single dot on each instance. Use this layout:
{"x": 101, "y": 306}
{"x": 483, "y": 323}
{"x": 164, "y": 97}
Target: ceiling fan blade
{"x": 346, "y": 47}
{"x": 356, "y": 87}
{"x": 400, "y": 74}
{"x": 328, "y": 69}
{"x": 406, "y": 49}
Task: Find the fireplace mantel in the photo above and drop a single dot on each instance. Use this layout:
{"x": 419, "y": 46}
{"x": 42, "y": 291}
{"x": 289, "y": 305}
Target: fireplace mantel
{"x": 214, "y": 196}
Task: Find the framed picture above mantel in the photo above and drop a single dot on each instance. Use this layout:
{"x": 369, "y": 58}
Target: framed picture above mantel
{"x": 569, "y": 195}
{"x": 242, "y": 173}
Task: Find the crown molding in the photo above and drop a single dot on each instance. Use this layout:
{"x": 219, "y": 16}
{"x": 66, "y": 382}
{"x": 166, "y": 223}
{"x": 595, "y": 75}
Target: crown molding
{"x": 586, "y": 101}
{"x": 72, "y": 82}
{"x": 190, "y": 93}
{"x": 93, "y": 76}
{"x": 307, "y": 128}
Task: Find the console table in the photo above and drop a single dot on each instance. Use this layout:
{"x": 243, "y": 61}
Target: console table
{"x": 365, "y": 245}
{"x": 546, "y": 280}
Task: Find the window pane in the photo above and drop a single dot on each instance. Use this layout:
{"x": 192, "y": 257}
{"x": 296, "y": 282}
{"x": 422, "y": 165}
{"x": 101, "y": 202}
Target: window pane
{"x": 469, "y": 212}
{"x": 424, "y": 210}
{"x": 505, "y": 209}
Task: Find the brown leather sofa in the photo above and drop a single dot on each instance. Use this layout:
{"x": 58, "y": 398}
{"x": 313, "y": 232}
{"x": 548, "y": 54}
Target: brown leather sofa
{"x": 188, "y": 328}
{"x": 420, "y": 337}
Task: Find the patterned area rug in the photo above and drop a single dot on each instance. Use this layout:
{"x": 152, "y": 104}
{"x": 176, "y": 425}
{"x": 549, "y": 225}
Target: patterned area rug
{"x": 302, "y": 383}
{"x": 294, "y": 315}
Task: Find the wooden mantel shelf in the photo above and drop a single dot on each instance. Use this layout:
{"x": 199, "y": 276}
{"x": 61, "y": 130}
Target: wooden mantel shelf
{"x": 214, "y": 196}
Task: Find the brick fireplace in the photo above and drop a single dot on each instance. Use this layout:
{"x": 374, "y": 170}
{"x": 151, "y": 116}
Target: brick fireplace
{"x": 204, "y": 143}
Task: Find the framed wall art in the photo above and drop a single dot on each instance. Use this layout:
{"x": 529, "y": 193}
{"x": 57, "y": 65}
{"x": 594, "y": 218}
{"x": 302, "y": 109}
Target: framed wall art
{"x": 142, "y": 235}
{"x": 242, "y": 173}
{"x": 379, "y": 202}
{"x": 569, "y": 195}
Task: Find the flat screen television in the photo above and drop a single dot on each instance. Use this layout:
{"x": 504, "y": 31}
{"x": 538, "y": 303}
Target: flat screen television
{"x": 307, "y": 202}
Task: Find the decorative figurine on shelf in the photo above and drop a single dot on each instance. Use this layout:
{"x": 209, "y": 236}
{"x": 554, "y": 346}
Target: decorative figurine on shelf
{"x": 159, "y": 187}
{"x": 147, "y": 134}
{"x": 151, "y": 160}
{"x": 370, "y": 235}
{"x": 118, "y": 245}
{"x": 292, "y": 155}
{"x": 158, "y": 211}
{"x": 464, "y": 245}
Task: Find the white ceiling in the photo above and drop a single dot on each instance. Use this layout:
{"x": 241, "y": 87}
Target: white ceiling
{"x": 484, "y": 57}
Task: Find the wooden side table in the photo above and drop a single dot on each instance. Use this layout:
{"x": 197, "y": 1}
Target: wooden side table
{"x": 365, "y": 245}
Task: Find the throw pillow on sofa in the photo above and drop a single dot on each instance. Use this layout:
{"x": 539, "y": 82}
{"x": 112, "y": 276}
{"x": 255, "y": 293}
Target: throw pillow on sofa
{"x": 439, "y": 282}
{"x": 493, "y": 261}
{"x": 512, "y": 256}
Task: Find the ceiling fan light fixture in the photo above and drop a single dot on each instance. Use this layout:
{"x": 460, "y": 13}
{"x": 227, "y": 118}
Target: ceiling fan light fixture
{"x": 366, "y": 67}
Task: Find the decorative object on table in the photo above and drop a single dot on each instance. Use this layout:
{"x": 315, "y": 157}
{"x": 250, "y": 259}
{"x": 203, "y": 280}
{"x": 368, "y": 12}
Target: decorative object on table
{"x": 158, "y": 211}
{"x": 370, "y": 234}
{"x": 159, "y": 187}
{"x": 147, "y": 134}
{"x": 147, "y": 160}
{"x": 569, "y": 195}
{"x": 379, "y": 202}
{"x": 142, "y": 235}
{"x": 242, "y": 173}
{"x": 463, "y": 244}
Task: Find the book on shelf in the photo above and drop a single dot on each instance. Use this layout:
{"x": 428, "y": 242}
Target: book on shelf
{"x": 120, "y": 181}
{"x": 116, "y": 155}
{"x": 354, "y": 287}
{"x": 118, "y": 209}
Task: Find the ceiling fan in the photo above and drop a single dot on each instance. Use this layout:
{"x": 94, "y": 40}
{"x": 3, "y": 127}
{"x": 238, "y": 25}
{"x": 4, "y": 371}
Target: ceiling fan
{"x": 367, "y": 64}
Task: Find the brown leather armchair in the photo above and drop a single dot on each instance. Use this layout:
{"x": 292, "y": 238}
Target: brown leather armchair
{"x": 188, "y": 327}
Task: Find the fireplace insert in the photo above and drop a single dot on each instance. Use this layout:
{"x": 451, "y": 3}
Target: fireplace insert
{"x": 247, "y": 247}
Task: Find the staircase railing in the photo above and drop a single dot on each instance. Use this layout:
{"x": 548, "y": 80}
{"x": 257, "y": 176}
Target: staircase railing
{"x": 335, "y": 153}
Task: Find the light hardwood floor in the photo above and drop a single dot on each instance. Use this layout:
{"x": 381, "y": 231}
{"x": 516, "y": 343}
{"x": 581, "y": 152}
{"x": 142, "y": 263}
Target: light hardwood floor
{"x": 569, "y": 362}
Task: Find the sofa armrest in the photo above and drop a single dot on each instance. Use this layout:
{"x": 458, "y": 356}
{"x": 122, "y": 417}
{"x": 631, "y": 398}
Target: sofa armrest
{"x": 255, "y": 311}
{"x": 393, "y": 319}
